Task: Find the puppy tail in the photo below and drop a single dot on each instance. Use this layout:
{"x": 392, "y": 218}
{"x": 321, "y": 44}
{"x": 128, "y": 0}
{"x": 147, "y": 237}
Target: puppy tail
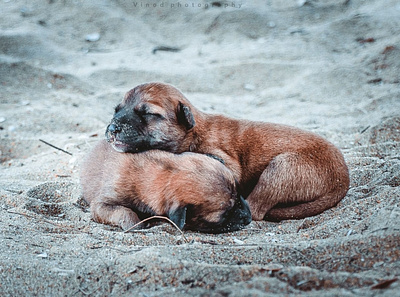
{"x": 303, "y": 210}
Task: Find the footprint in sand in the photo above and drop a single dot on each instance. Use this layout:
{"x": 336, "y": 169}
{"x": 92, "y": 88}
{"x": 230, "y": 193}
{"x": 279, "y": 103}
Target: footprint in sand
{"x": 52, "y": 199}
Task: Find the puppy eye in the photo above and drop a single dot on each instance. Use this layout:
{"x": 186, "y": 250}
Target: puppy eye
{"x": 150, "y": 115}
{"x": 153, "y": 115}
{"x": 146, "y": 113}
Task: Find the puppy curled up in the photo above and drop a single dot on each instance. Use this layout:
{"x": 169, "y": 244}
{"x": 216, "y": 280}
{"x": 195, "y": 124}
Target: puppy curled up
{"x": 195, "y": 191}
{"x": 283, "y": 172}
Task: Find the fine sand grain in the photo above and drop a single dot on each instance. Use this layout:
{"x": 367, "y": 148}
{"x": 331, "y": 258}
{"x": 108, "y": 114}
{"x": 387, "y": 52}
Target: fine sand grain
{"x": 332, "y": 67}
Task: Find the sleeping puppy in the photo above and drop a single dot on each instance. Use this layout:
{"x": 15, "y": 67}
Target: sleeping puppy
{"x": 193, "y": 190}
{"x": 284, "y": 172}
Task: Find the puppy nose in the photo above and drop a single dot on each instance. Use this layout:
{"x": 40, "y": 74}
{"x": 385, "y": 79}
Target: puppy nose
{"x": 113, "y": 129}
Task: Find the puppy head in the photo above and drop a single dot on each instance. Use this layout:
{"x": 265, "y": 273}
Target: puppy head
{"x": 151, "y": 116}
{"x": 219, "y": 220}
{"x": 218, "y": 209}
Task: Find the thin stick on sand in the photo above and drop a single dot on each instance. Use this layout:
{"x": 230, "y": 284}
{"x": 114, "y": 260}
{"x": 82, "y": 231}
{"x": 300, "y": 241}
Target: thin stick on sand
{"x": 36, "y": 218}
{"x": 53, "y": 146}
{"x": 158, "y": 217}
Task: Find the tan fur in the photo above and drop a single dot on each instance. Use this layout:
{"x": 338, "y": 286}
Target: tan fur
{"x": 274, "y": 164}
{"x": 118, "y": 186}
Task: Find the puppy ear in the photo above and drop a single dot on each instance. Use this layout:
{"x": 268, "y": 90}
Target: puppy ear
{"x": 185, "y": 116}
{"x": 178, "y": 216}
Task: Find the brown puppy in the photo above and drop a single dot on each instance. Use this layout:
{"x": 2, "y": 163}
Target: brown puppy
{"x": 188, "y": 188}
{"x": 285, "y": 173}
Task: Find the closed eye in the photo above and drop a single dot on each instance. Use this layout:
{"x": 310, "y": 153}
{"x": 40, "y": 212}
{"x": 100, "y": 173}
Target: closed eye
{"x": 146, "y": 114}
{"x": 148, "y": 117}
{"x": 153, "y": 115}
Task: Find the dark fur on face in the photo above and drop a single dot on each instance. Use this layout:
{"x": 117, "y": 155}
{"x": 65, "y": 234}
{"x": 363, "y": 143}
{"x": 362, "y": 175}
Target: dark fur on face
{"x": 140, "y": 124}
{"x": 233, "y": 220}
{"x": 195, "y": 191}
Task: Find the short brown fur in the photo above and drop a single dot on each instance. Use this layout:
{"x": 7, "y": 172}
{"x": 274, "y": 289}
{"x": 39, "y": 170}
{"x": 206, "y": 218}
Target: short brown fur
{"x": 120, "y": 186}
{"x": 285, "y": 172}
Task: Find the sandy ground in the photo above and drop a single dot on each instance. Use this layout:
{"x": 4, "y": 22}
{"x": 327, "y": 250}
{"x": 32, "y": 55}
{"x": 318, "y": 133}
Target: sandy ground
{"x": 332, "y": 67}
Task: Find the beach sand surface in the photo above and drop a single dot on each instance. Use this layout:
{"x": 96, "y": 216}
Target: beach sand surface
{"x": 331, "y": 67}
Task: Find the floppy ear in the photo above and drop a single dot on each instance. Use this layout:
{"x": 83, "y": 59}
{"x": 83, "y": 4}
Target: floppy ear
{"x": 185, "y": 116}
{"x": 178, "y": 216}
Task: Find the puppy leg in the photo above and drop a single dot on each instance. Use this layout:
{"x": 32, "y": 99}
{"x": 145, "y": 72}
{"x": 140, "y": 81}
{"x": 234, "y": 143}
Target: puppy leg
{"x": 290, "y": 178}
{"x": 116, "y": 215}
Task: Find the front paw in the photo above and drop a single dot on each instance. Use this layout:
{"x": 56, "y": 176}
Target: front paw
{"x": 128, "y": 223}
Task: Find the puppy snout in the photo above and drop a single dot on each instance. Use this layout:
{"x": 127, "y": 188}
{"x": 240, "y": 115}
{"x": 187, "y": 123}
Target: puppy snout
{"x": 114, "y": 129}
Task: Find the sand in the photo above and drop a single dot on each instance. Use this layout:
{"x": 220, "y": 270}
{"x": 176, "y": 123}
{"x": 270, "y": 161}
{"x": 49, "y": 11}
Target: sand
{"x": 331, "y": 67}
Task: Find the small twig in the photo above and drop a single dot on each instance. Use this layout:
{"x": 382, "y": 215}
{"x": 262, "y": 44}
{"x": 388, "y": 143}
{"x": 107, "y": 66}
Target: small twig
{"x": 252, "y": 229}
{"x": 36, "y": 218}
{"x": 365, "y": 129}
{"x": 258, "y": 224}
{"x": 14, "y": 191}
{"x": 53, "y": 146}
{"x": 165, "y": 49}
{"x": 158, "y": 217}
{"x": 384, "y": 284}
{"x": 125, "y": 252}
{"x": 301, "y": 226}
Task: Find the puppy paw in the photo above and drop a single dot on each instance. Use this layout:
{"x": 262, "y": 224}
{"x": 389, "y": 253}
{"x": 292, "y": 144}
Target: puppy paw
{"x": 127, "y": 218}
